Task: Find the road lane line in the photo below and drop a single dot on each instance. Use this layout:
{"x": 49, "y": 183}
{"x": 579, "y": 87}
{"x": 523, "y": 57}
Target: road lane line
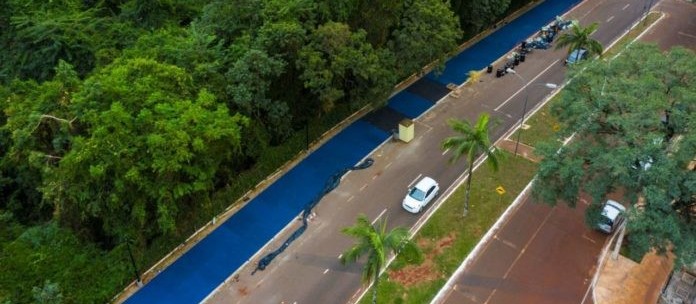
{"x": 687, "y": 35}
{"x": 357, "y": 292}
{"x": 489, "y": 297}
{"x": 429, "y": 128}
{"x": 325, "y": 271}
{"x": 387, "y": 166}
{"x": 414, "y": 180}
{"x": 374, "y": 176}
{"x": 506, "y": 242}
{"x": 340, "y": 255}
{"x": 443, "y": 153}
{"x": 610, "y": 18}
{"x": 526, "y": 85}
{"x": 625, "y": 7}
{"x": 363, "y": 187}
{"x": 380, "y": 215}
{"x": 584, "y": 236}
{"x": 528, "y": 242}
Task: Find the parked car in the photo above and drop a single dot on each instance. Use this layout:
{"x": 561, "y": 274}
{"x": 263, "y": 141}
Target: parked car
{"x": 576, "y": 55}
{"x": 612, "y": 216}
{"x": 420, "y": 195}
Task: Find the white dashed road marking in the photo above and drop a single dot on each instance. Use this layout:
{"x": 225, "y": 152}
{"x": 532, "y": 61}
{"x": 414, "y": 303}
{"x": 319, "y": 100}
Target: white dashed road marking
{"x": 414, "y": 180}
{"x": 380, "y": 215}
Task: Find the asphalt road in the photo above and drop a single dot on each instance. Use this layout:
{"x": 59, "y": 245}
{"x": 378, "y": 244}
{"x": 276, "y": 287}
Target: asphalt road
{"x": 547, "y": 255}
{"x": 310, "y": 271}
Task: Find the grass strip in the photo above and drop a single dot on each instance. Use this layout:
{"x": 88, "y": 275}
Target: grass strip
{"x": 541, "y": 126}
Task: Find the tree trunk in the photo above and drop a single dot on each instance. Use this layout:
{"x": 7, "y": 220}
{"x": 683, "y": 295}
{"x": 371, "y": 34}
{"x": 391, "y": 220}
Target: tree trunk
{"x": 374, "y": 288}
{"x": 468, "y": 189}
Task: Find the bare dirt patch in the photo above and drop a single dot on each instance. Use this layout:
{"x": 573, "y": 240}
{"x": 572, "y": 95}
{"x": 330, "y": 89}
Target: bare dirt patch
{"x": 426, "y": 271}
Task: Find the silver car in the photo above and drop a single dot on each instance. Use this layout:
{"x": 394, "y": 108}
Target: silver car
{"x": 612, "y": 216}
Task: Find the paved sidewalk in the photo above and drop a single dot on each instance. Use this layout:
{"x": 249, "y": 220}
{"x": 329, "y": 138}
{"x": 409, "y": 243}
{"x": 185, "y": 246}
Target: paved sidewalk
{"x": 623, "y": 281}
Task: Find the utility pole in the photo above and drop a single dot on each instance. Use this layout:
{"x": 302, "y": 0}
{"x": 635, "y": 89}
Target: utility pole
{"x": 138, "y": 281}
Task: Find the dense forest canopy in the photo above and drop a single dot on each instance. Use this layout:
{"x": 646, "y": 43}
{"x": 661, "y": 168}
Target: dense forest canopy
{"x": 119, "y": 113}
{"x": 134, "y": 120}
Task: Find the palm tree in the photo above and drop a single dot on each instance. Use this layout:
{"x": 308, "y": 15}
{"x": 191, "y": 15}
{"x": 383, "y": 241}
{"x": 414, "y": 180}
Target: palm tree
{"x": 471, "y": 141}
{"x": 579, "y": 38}
{"x": 376, "y": 243}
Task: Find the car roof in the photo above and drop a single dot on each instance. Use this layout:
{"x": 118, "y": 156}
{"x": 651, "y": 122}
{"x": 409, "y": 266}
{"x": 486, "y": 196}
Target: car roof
{"x": 425, "y": 183}
{"x": 612, "y": 209}
{"x": 576, "y": 53}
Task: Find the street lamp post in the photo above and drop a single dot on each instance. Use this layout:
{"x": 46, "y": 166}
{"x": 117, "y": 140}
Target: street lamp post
{"x": 524, "y": 108}
{"x": 139, "y": 281}
{"x": 306, "y": 134}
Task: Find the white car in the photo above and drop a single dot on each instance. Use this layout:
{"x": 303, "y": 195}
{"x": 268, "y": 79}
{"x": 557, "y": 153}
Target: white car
{"x": 420, "y": 195}
{"x": 612, "y": 216}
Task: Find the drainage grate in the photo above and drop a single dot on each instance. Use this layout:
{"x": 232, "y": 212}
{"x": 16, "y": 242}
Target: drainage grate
{"x": 688, "y": 278}
{"x": 682, "y": 292}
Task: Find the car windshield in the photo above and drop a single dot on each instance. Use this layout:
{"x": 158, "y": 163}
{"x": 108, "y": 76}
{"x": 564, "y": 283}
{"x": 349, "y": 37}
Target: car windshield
{"x": 606, "y": 221}
{"x": 417, "y": 194}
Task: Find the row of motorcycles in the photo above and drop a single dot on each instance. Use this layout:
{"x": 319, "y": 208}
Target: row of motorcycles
{"x": 546, "y": 35}
{"x": 541, "y": 42}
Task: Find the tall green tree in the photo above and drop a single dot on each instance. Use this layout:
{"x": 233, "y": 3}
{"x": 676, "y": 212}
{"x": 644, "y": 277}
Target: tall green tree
{"x": 151, "y": 149}
{"x": 579, "y": 37}
{"x": 250, "y": 80}
{"x": 37, "y": 126}
{"x": 159, "y": 13}
{"x": 470, "y": 141}
{"x": 476, "y": 15}
{"x": 283, "y": 40}
{"x": 428, "y": 31}
{"x": 376, "y": 17}
{"x": 231, "y": 19}
{"x": 377, "y": 243}
{"x": 38, "y": 38}
{"x": 192, "y": 49}
{"x": 634, "y": 122}
{"x": 340, "y": 65}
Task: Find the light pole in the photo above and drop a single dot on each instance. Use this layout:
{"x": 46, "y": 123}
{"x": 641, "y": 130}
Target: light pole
{"x": 524, "y": 108}
{"x": 138, "y": 281}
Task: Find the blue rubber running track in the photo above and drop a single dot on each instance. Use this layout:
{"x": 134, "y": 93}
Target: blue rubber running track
{"x": 200, "y": 270}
